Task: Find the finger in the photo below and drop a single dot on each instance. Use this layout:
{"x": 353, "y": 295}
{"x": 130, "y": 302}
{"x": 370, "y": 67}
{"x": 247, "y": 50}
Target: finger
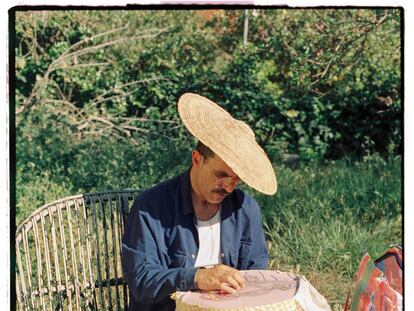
{"x": 232, "y": 282}
{"x": 224, "y": 287}
{"x": 239, "y": 279}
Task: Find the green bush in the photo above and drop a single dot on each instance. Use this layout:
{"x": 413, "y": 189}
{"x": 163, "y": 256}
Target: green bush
{"x": 320, "y": 83}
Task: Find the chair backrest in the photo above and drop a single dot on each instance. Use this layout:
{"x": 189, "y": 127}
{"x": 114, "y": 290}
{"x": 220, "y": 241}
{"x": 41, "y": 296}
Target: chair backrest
{"x": 68, "y": 254}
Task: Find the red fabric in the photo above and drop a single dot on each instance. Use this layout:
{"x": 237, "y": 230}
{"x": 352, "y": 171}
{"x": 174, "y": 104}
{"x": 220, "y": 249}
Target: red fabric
{"x": 378, "y": 286}
{"x": 392, "y": 271}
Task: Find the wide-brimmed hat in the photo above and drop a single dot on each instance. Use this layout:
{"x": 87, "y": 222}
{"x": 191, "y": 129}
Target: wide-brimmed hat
{"x": 231, "y": 139}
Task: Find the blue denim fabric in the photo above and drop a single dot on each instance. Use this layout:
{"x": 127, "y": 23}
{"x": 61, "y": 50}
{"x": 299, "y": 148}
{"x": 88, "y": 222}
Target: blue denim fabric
{"x": 160, "y": 243}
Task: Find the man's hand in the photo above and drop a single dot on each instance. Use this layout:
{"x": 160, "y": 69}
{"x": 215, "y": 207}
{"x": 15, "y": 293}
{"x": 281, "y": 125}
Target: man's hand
{"x": 219, "y": 277}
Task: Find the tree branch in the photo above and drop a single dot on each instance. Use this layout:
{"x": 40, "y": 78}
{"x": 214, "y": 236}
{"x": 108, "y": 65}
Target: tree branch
{"x": 66, "y": 57}
{"x": 100, "y": 98}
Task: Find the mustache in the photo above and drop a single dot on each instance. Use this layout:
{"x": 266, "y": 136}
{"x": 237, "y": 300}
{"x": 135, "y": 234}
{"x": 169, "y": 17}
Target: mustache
{"x": 221, "y": 191}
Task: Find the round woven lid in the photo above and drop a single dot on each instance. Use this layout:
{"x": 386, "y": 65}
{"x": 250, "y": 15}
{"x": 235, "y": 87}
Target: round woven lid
{"x": 231, "y": 139}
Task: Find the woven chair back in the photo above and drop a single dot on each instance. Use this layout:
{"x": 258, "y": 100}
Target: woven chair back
{"x": 68, "y": 254}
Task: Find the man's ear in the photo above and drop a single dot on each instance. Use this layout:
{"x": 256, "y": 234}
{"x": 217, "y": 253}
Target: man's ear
{"x": 196, "y": 158}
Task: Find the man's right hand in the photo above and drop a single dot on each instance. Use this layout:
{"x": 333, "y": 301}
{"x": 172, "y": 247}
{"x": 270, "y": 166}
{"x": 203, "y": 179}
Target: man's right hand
{"x": 219, "y": 277}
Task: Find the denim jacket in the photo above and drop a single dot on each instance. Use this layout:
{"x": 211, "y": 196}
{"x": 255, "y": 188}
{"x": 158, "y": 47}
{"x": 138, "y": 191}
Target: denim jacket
{"x": 160, "y": 242}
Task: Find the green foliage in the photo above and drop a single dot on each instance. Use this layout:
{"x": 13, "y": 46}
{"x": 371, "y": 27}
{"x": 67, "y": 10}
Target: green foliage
{"x": 320, "y": 83}
{"x": 52, "y": 164}
{"x": 334, "y": 76}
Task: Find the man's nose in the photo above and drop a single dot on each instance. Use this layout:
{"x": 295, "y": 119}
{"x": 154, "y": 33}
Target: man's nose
{"x": 230, "y": 187}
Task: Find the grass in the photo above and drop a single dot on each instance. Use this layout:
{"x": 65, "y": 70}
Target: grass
{"x": 325, "y": 217}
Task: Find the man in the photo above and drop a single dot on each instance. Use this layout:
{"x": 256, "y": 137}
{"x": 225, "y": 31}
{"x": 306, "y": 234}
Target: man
{"x": 196, "y": 231}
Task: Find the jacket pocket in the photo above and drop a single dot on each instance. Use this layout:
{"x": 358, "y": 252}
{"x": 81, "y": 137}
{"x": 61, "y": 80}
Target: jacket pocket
{"x": 239, "y": 258}
{"x": 177, "y": 259}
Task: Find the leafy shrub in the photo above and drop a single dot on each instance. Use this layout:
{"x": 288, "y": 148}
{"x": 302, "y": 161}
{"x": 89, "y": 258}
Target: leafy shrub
{"x": 319, "y": 83}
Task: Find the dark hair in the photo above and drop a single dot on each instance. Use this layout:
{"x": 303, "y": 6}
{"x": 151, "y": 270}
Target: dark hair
{"x": 204, "y": 150}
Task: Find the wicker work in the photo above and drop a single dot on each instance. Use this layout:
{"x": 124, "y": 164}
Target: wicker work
{"x": 68, "y": 254}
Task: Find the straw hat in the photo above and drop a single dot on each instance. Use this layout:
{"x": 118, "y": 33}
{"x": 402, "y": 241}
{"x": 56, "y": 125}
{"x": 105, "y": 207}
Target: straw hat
{"x": 232, "y": 140}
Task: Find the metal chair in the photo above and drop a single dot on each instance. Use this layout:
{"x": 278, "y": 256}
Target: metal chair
{"x": 68, "y": 254}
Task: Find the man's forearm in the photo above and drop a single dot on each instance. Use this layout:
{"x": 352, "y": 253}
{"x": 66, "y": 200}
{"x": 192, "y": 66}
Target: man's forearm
{"x": 151, "y": 283}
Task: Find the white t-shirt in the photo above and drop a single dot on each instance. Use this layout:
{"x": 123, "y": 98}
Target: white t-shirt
{"x": 209, "y": 241}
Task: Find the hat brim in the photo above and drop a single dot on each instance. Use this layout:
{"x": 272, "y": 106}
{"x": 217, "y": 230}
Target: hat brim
{"x": 231, "y": 139}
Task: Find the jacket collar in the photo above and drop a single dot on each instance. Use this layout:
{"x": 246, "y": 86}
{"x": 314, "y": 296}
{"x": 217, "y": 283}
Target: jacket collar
{"x": 185, "y": 193}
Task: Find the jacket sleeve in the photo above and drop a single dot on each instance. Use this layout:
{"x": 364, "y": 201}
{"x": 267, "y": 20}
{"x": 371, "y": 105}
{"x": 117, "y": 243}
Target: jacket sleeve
{"x": 145, "y": 261}
{"x": 259, "y": 256}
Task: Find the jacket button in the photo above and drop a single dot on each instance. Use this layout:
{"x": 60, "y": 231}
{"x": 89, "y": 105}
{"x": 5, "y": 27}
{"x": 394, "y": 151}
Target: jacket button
{"x": 222, "y": 255}
{"x": 193, "y": 256}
